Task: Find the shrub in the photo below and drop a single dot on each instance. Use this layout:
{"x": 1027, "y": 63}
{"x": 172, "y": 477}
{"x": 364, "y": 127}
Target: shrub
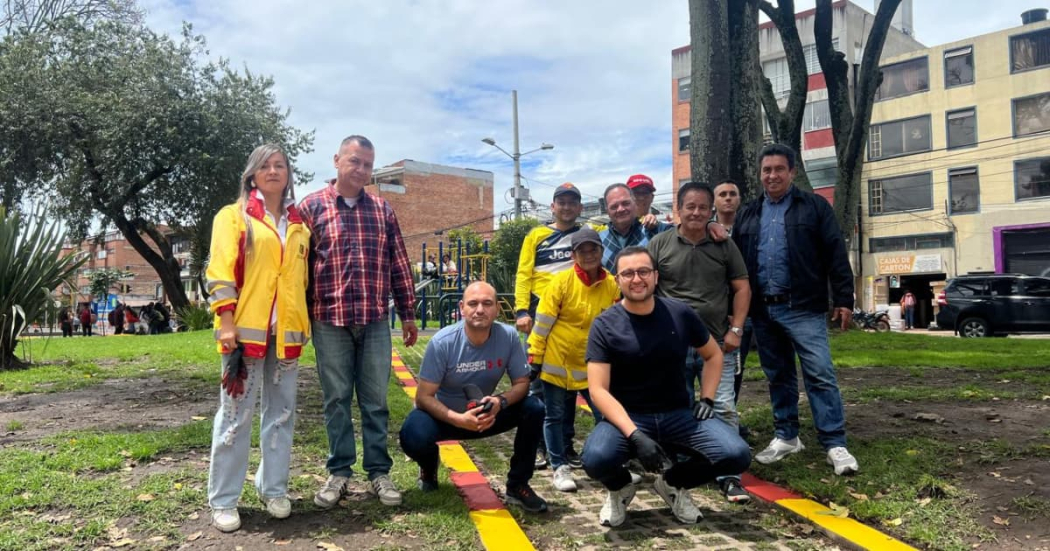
{"x": 196, "y": 317}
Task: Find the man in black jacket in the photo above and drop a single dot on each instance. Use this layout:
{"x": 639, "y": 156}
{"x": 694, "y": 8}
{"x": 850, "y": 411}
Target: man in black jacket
{"x": 793, "y": 249}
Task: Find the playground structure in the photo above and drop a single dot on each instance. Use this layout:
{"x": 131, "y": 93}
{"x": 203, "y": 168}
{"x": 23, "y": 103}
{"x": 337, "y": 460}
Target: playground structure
{"x": 438, "y": 291}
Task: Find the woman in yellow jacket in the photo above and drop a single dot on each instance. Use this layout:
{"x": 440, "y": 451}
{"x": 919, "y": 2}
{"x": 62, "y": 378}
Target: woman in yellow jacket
{"x": 257, "y": 280}
{"x": 569, "y": 304}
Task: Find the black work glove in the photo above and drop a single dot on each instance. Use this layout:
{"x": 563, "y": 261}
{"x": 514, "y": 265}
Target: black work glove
{"x": 536, "y": 369}
{"x": 650, "y": 453}
{"x": 704, "y": 409}
{"x": 235, "y": 373}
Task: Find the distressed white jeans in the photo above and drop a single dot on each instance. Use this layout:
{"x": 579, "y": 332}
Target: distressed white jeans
{"x": 232, "y": 431}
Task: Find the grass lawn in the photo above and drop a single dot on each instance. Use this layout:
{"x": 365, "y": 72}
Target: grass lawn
{"x": 92, "y": 487}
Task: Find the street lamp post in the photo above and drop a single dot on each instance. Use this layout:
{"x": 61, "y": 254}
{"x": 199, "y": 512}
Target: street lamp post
{"x": 516, "y": 156}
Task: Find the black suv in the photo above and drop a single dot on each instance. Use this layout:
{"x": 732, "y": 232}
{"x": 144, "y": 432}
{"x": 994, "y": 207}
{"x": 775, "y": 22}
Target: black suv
{"x": 987, "y": 305}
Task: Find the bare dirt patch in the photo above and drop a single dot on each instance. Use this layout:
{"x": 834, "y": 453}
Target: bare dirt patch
{"x": 114, "y": 403}
{"x": 1001, "y": 446}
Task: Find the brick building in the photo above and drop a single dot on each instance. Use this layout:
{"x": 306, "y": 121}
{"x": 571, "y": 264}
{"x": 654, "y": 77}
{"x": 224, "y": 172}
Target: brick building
{"x": 112, "y": 250}
{"x": 430, "y": 198}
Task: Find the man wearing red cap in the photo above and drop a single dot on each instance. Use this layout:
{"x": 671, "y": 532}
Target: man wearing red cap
{"x": 642, "y": 190}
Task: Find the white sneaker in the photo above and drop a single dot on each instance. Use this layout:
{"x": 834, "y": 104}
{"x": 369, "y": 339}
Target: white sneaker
{"x": 383, "y": 488}
{"x": 278, "y": 507}
{"x": 563, "y": 480}
{"x": 679, "y": 499}
{"x": 614, "y": 512}
{"x": 331, "y": 492}
{"x": 843, "y": 462}
{"x": 779, "y": 449}
{"x": 225, "y": 520}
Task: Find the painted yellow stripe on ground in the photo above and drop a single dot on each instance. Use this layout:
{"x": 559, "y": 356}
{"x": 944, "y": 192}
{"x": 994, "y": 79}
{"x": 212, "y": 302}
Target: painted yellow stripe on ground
{"x": 411, "y": 391}
{"x": 586, "y": 408}
{"x": 398, "y": 363}
{"x": 456, "y": 458}
{"x": 846, "y": 528}
{"x": 404, "y": 375}
{"x": 499, "y": 530}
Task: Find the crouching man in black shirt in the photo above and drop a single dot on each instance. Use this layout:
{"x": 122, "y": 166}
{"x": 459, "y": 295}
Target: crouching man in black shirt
{"x": 634, "y": 357}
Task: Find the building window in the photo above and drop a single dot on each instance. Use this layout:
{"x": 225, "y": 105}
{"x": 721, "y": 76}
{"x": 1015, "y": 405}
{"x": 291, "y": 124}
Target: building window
{"x": 962, "y": 128}
{"x": 776, "y": 71}
{"x": 1032, "y": 178}
{"x": 683, "y": 140}
{"x": 816, "y": 116}
{"x": 906, "y": 77}
{"x": 911, "y": 242}
{"x": 958, "y": 67}
{"x": 1031, "y": 115}
{"x": 685, "y": 88}
{"x": 1030, "y": 51}
{"x": 900, "y": 194}
{"x": 812, "y": 60}
{"x": 902, "y": 137}
{"x": 964, "y": 189}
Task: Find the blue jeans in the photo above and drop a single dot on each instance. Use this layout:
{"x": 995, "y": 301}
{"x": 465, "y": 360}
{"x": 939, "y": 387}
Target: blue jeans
{"x": 349, "y": 360}
{"x": 231, "y": 439}
{"x": 725, "y": 402}
{"x": 420, "y": 434}
{"x": 713, "y": 449}
{"x": 909, "y": 317}
{"x": 786, "y": 333}
{"x": 560, "y": 405}
{"x": 745, "y": 348}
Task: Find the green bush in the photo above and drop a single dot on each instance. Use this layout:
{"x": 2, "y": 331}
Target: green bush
{"x": 196, "y": 317}
{"x": 33, "y": 266}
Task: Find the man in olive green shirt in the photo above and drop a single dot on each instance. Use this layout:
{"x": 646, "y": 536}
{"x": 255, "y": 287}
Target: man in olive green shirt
{"x": 705, "y": 274}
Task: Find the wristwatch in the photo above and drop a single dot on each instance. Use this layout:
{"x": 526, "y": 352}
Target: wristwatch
{"x": 502, "y": 402}
{"x": 737, "y": 331}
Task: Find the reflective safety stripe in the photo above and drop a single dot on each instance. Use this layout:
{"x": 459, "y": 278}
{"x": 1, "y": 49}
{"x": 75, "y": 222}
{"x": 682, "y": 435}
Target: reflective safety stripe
{"x": 213, "y": 283}
{"x": 222, "y": 293}
{"x": 542, "y": 330}
{"x": 559, "y": 371}
{"x": 248, "y": 334}
{"x": 545, "y": 319}
{"x": 294, "y": 337}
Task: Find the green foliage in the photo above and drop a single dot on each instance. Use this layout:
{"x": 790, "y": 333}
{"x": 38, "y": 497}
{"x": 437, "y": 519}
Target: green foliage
{"x": 33, "y": 265}
{"x": 137, "y": 127}
{"x": 472, "y": 242}
{"x": 196, "y": 317}
{"x": 104, "y": 279}
{"x": 505, "y": 249}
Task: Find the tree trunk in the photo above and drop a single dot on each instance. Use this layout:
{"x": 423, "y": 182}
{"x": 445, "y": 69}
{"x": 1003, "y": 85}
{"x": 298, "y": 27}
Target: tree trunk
{"x": 711, "y": 126}
{"x": 747, "y": 77}
{"x": 163, "y": 263}
{"x": 850, "y": 126}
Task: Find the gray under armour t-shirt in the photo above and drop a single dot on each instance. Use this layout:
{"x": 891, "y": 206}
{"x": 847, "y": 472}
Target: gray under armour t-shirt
{"x": 452, "y": 362}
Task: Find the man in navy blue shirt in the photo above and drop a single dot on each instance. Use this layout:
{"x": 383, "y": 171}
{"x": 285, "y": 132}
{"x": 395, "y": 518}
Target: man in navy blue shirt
{"x": 476, "y": 351}
{"x": 794, "y": 252}
{"x": 635, "y": 354}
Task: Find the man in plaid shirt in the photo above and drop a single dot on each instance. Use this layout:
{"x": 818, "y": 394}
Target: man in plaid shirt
{"x": 357, "y": 260}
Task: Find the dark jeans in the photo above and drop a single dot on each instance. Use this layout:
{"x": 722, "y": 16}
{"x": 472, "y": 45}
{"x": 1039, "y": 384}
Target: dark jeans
{"x": 712, "y": 448}
{"x": 85, "y": 329}
{"x": 745, "y": 347}
{"x": 420, "y": 434}
{"x": 909, "y": 317}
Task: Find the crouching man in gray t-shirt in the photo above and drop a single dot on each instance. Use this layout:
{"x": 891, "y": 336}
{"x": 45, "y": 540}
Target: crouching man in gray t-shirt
{"x": 476, "y": 351}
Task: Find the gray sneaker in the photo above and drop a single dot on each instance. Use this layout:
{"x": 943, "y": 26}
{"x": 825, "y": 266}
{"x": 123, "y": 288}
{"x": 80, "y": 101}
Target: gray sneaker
{"x": 331, "y": 492}
{"x": 779, "y": 449}
{"x": 614, "y": 511}
{"x": 383, "y": 488}
{"x": 563, "y": 480}
{"x": 679, "y": 500}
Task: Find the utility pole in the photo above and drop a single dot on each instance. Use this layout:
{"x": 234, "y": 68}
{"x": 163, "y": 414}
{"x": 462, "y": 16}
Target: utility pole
{"x": 516, "y": 156}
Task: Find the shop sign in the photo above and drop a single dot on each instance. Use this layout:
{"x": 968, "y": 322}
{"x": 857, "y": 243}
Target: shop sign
{"x": 910, "y": 264}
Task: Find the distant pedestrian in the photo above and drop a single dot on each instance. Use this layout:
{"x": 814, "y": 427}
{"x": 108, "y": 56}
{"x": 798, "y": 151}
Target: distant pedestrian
{"x": 65, "y": 322}
{"x": 908, "y": 307}
{"x": 85, "y": 321}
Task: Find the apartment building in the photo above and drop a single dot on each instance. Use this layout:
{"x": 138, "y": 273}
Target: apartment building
{"x": 957, "y": 175}
{"x": 850, "y": 26}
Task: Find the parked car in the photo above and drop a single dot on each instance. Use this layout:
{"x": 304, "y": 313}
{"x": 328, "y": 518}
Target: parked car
{"x": 995, "y": 304}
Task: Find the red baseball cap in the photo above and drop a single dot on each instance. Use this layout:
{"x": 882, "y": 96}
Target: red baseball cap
{"x": 640, "y": 180}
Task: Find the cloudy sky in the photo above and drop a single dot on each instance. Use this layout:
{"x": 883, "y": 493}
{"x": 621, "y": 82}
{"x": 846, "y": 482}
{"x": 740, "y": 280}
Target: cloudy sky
{"x": 428, "y": 79}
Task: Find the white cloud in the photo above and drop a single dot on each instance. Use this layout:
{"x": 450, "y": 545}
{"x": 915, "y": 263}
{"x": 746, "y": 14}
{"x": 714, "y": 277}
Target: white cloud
{"x": 427, "y": 79}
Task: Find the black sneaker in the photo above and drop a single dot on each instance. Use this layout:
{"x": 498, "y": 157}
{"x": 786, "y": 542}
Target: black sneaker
{"x": 541, "y": 459}
{"x": 428, "y": 481}
{"x": 524, "y": 497}
{"x": 573, "y": 459}
{"x": 734, "y": 492}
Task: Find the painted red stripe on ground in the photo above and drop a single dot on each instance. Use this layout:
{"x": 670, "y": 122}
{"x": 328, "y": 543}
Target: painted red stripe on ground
{"x": 766, "y": 490}
{"x": 476, "y": 492}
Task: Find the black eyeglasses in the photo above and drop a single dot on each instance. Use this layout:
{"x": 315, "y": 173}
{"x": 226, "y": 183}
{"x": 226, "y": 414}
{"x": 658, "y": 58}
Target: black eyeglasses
{"x": 643, "y": 273}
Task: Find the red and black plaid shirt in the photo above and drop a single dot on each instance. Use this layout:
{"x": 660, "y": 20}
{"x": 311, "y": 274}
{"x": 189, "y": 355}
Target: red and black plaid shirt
{"x": 357, "y": 258}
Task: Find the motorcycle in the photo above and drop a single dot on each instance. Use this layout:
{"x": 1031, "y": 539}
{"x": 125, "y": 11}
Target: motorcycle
{"x": 879, "y": 321}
